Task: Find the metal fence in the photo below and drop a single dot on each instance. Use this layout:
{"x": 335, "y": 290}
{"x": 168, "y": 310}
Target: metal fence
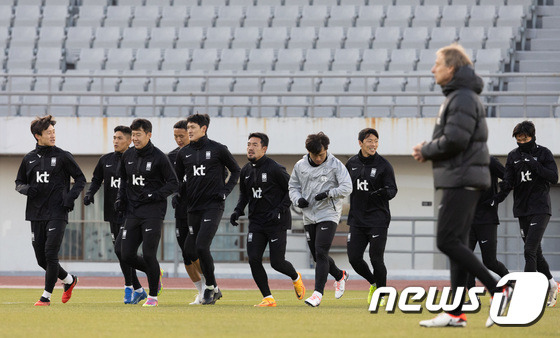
{"x": 154, "y": 101}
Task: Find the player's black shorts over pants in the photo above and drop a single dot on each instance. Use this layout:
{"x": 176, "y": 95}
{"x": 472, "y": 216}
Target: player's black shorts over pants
{"x": 486, "y": 235}
{"x": 256, "y": 244}
{"x": 145, "y": 231}
{"x": 532, "y": 230}
{"x": 129, "y": 273}
{"x": 358, "y": 239}
{"x": 202, "y": 229}
{"x": 46, "y": 239}
{"x": 319, "y": 239}
{"x": 456, "y": 213}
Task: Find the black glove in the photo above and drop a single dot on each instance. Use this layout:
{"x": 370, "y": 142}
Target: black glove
{"x": 490, "y": 203}
{"x": 32, "y": 192}
{"x": 120, "y": 205}
{"x": 220, "y": 197}
{"x": 68, "y": 205}
{"x": 381, "y": 192}
{"x": 530, "y": 160}
{"x": 233, "y": 219}
{"x": 148, "y": 197}
{"x": 302, "y": 203}
{"x": 321, "y": 196}
{"x": 274, "y": 215}
{"x": 88, "y": 199}
{"x": 175, "y": 201}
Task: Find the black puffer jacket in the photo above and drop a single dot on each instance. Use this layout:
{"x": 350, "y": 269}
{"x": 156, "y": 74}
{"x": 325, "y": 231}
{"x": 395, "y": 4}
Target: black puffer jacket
{"x": 458, "y": 148}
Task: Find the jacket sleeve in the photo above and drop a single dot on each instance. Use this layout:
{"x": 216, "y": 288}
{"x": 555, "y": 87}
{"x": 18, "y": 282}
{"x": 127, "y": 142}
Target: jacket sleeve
{"x": 180, "y": 172}
{"x": 22, "y": 185}
{"x": 121, "y": 173}
{"x": 233, "y": 167}
{"x": 496, "y": 168}
{"x": 344, "y": 187}
{"x": 508, "y": 181}
{"x": 97, "y": 179}
{"x": 171, "y": 183}
{"x": 78, "y": 176}
{"x": 243, "y": 199}
{"x": 294, "y": 185}
{"x": 283, "y": 180}
{"x": 389, "y": 182}
{"x": 548, "y": 169}
{"x": 460, "y": 123}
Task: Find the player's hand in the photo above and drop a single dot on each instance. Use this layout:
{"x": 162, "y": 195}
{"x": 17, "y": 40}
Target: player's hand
{"x": 490, "y": 203}
{"x": 175, "y": 201}
{"x": 273, "y": 216}
{"x": 529, "y": 160}
{"x": 233, "y": 218}
{"x": 88, "y": 199}
{"x": 68, "y": 206}
{"x": 220, "y": 196}
{"x": 417, "y": 152}
{"x": 322, "y": 195}
{"x": 302, "y": 203}
{"x": 148, "y": 197}
{"x": 32, "y": 192}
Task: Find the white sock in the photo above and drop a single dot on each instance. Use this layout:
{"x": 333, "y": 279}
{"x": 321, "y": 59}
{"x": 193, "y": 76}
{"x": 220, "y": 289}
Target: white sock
{"x": 269, "y": 296}
{"x": 47, "y": 295}
{"x": 154, "y": 297}
{"x": 552, "y": 283}
{"x": 199, "y": 286}
{"x": 139, "y": 290}
{"x": 128, "y": 286}
{"x": 295, "y": 280}
{"x": 210, "y": 287}
{"x": 68, "y": 279}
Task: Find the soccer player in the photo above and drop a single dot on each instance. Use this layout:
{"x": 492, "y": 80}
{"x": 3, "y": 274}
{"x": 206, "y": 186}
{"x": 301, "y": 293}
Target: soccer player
{"x": 203, "y": 162}
{"x": 147, "y": 179}
{"x": 374, "y": 185}
{"x": 318, "y": 185}
{"x": 44, "y": 177}
{"x": 460, "y": 159}
{"x": 530, "y": 170}
{"x": 264, "y": 186}
{"x": 484, "y": 228}
{"x": 105, "y": 173}
{"x": 181, "y": 225}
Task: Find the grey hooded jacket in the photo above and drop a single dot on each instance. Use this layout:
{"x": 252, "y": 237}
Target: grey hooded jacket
{"x": 307, "y": 181}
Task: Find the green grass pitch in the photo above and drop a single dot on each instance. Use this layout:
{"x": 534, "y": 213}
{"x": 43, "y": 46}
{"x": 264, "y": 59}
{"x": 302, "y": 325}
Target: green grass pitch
{"x": 101, "y": 313}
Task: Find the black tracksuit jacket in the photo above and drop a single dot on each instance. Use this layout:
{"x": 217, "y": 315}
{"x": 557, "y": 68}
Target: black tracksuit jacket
{"x": 147, "y": 179}
{"x": 48, "y": 169}
{"x": 264, "y": 186}
{"x": 485, "y": 212}
{"x": 106, "y": 173}
{"x": 530, "y": 182}
{"x": 368, "y": 175}
{"x": 202, "y": 163}
{"x": 181, "y": 209}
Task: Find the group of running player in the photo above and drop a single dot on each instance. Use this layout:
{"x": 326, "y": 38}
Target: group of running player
{"x": 138, "y": 180}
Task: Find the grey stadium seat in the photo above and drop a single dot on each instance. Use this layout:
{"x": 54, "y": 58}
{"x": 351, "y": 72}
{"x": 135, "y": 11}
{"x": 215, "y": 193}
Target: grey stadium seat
{"x": 90, "y": 16}
{"x": 286, "y": 16}
{"x": 489, "y": 60}
{"x": 218, "y": 37}
{"x": 511, "y": 16}
{"x": 202, "y": 16}
{"x": 93, "y": 59}
{"x": 49, "y": 58}
{"x": 204, "y": 59}
{"x": 502, "y": 38}
{"x": 386, "y": 37}
{"x": 146, "y": 16}
{"x": 483, "y": 16}
{"x": 20, "y": 58}
{"x": 426, "y": 60}
{"x": 134, "y": 37}
{"x": 442, "y": 36}
{"x": 374, "y": 60}
{"x": 453, "y": 16}
{"x": 274, "y": 37}
{"x": 24, "y": 37}
{"x": 119, "y": 59}
{"x": 190, "y": 37}
{"x": 118, "y": 16}
{"x": 358, "y": 37}
{"x": 246, "y": 37}
{"x": 232, "y": 59}
{"x": 314, "y": 16}
{"x": 403, "y": 60}
{"x": 370, "y": 16}
{"x": 426, "y": 16}
{"x": 55, "y": 16}
{"x": 302, "y": 37}
{"x": 79, "y": 37}
{"x": 346, "y": 60}
{"x": 398, "y": 16}
{"x": 330, "y": 37}
{"x": 472, "y": 37}
{"x": 289, "y": 59}
{"x": 107, "y": 37}
{"x": 27, "y": 15}
{"x": 415, "y": 37}
{"x": 230, "y": 16}
{"x": 51, "y": 37}
{"x": 318, "y": 60}
{"x": 260, "y": 59}
{"x": 163, "y": 37}
{"x": 148, "y": 59}
{"x": 258, "y": 16}
{"x": 173, "y": 16}
{"x": 342, "y": 16}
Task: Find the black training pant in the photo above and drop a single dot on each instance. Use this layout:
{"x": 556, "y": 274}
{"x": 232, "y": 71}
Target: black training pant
{"x": 130, "y": 277}
{"x": 358, "y": 239}
{"x": 181, "y": 232}
{"x": 46, "y": 239}
{"x": 145, "y": 231}
{"x": 256, "y": 244}
{"x": 486, "y": 235}
{"x": 456, "y": 213}
{"x": 319, "y": 239}
{"x": 532, "y": 231}
{"x": 202, "y": 229}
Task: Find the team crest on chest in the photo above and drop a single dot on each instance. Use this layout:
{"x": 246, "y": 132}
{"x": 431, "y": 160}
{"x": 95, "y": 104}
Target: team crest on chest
{"x": 264, "y": 177}
{"x": 53, "y": 161}
{"x": 373, "y": 172}
{"x": 148, "y": 166}
{"x": 208, "y": 154}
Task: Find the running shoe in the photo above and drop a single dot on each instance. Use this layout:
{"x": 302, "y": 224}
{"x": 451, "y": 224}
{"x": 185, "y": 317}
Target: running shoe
{"x": 340, "y": 285}
{"x": 128, "y": 295}
{"x": 267, "y": 302}
{"x": 299, "y": 288}
{"x": 314, "y": 300}
{"x": 151, "y": 302}
{"x": 445, "y": 319}
{"x": 372, "y": 289}
{"x": 137, "y": 296}
{"x": 68, "y": 289}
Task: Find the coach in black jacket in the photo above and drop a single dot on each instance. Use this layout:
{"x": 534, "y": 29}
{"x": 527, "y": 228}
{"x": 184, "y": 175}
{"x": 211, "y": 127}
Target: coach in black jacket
{"x": 373, "y": 185}
{"x": 44, "y": 177}
{"x": 530, "y": 170}
{"x": 460, "y": 160}
{"x": 264, "y": 186}
{"x": 203, "y": 162}
{"x": 147, "y": 179}
{"x": 106, "y": 173}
